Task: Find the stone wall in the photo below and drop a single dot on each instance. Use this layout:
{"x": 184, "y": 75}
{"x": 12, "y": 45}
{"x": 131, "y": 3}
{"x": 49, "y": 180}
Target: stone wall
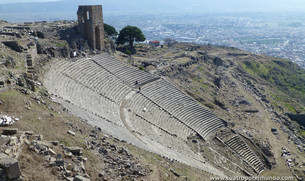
{"x": 91, "y": 26}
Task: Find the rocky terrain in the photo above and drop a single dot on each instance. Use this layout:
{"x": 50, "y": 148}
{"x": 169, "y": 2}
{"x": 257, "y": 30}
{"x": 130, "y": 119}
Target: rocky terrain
{"x": 219, "y": 78}
{"x": 41, "y": 140}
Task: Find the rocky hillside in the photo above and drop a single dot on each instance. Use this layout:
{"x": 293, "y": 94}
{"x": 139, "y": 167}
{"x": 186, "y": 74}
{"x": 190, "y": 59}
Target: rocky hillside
{"x": 258, "y": 96}
{"x": 242, "y": 88}
{"x": 40, "y": 139}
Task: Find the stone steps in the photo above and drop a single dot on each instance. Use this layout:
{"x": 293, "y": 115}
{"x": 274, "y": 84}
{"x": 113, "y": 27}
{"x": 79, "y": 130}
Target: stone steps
{"x": 29, "y": 67}
{"x": 100, "y": 84}
{"x": 183, "y": 107}
{"x": 83, "y": 96}
{"x": 97, "y": 79}
{"x": 158, "y": 116}
{"x": 126, "y": 73}
{"x": 241, "y": 148}
{"x": 29, "y": 60}
{"x": 152, "y": 132}
{"x": 113, "y": 80}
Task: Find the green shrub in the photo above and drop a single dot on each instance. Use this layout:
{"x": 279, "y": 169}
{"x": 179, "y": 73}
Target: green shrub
{"x": 285, "y": 75}
{"x": 127, "y": 52}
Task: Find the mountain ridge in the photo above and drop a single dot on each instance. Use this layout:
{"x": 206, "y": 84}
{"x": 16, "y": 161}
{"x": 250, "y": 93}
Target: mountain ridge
{"x": 159, "y": 5}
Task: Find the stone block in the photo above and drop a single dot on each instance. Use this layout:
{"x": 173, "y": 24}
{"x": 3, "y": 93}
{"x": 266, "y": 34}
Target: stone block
{"x": 52, "y": 152}
{"x": 68, "y": 173}
{"x": 3, "y": 156}
{"x": 10, "y": 131}
{"x": 27, "y": 142}
{"x": 69, "y": 166}
{"x": 71, "y": 133}
{"x": 47, "y": 158}
{"x": 52, "y": 159}
{"x": 13, "y": 45}
{"x": 13, "y": 141}
{"x": 22, "y": 138}
{"x": 55, "y": 143}
{"x": 11, "y": 168}
{"x": 68, "y": 154}
{"x": 9, "y": 150}
{"x": 75, "y": 150}
{"x": 29, "y": 133}
{"x": 4, "y": 140}
{"x": 52, "y": 164}
{"x": 42, "y": 146}
{"x": 59, "y": 162}
{"x": 2, "y": 174}
{"x": 80, "y": 178}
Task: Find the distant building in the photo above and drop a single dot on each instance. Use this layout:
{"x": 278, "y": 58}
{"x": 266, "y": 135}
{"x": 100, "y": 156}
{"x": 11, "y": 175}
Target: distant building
{"x": 154, "y": 43}
{"x": 91, "y": 26}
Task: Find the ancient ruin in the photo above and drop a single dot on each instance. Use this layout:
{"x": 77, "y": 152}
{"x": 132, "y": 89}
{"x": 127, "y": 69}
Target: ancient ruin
{"x": 174, "y": 110}
{"x": 158, "y": 115}
{"x": 91, "y": 26}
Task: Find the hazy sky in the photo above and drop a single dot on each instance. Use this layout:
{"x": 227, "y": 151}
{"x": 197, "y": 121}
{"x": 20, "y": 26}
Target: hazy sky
{"x": 177, "y": 5}
{"x": 24, "y": 1}
{"x": 210, "y": 5}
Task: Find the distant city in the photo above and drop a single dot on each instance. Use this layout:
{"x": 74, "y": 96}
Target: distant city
{"x": 278, "y": 35}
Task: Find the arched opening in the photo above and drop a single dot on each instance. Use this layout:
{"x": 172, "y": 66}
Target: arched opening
{"x": 88, "y": 15}
{"x": 97, "y": 38}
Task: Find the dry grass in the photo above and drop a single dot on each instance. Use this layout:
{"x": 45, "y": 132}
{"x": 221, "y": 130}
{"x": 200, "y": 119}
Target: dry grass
{"x": 33, "y": 169}
{"x": 40, "y": 120}
{"x": 51, "y": 123}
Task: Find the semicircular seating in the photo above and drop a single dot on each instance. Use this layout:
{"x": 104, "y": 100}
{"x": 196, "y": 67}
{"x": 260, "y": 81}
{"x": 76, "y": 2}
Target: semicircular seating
{"x": 160, "y": 111}
{"x": 180, "y": 105}
{"x": 109, "y": 80}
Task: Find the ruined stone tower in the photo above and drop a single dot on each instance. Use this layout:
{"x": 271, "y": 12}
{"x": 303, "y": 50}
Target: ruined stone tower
{"x": 91, "y": 26}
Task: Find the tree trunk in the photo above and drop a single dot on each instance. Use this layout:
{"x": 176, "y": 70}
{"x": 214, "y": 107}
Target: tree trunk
{"x": 131, "y": 43}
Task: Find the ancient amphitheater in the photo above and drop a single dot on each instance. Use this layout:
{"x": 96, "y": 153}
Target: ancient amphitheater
{"x": 158, "y": 117}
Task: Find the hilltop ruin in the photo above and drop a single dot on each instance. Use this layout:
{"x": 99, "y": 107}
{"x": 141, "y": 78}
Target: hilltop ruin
{"x": 91, "y": 26}
{"x": 185, "y": 103}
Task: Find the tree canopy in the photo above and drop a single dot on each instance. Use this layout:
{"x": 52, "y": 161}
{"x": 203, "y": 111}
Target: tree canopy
{"x": 130, "y": 34}
{"x": 110, "y": 30}
{"x": 169, "y": 42}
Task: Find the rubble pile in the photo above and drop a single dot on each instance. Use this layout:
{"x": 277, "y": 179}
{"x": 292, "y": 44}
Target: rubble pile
{"x": 7, "y": 120}
{"x": 118, "y": 161}
{"x": 68, "y": 161}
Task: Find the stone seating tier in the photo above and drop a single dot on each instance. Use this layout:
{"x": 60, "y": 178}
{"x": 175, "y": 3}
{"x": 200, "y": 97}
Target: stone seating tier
{"x": 127, "y": 74}
{"x": 160, "y": 113}
{"x": 113, "y": 80}
{"x": 183, "y": 107}
{"x": 97, "y": 79}
{"x": 240, "y": 147}
{"x": 83, "y": 96}
{"x": 142, "y": 106}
